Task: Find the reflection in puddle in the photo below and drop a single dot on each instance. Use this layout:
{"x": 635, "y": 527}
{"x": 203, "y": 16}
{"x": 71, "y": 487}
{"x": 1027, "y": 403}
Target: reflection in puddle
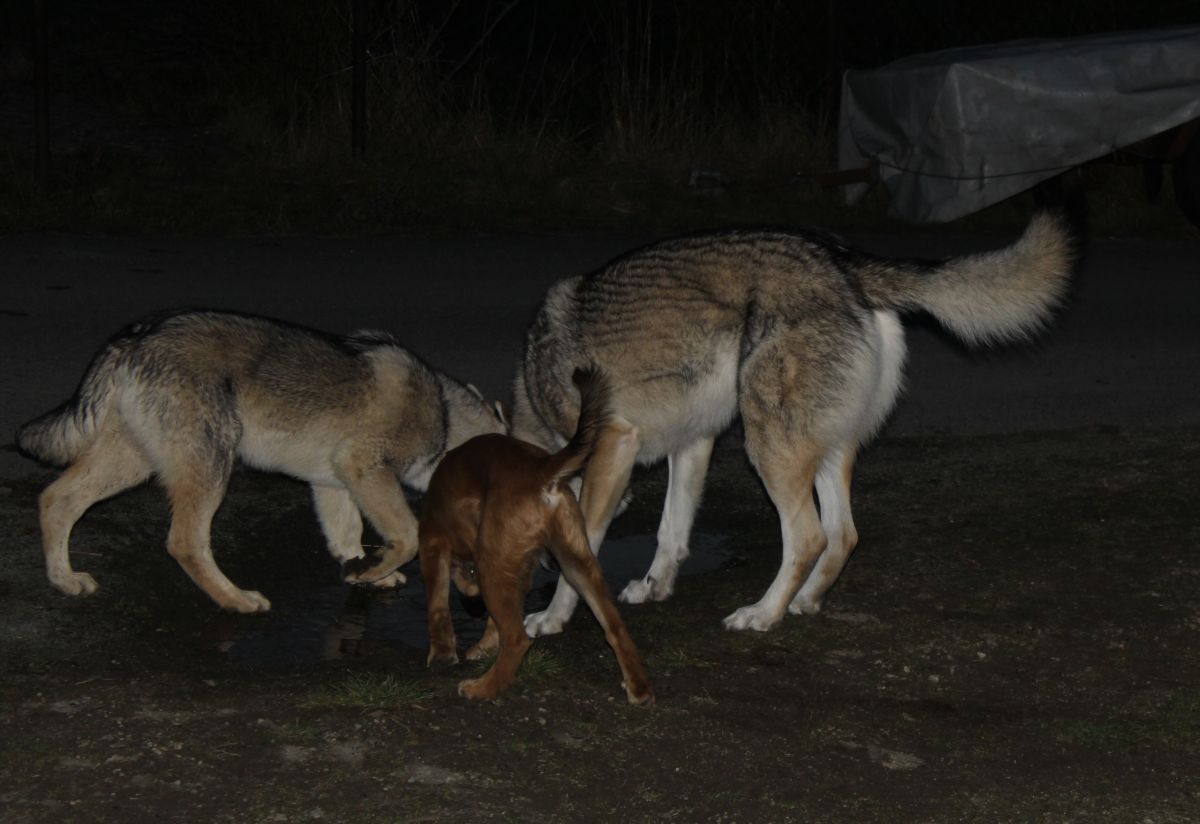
{"x": 344, "y": 621}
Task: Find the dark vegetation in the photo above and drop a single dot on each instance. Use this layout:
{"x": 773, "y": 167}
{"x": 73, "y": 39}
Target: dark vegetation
{"x": 173, "y": 116}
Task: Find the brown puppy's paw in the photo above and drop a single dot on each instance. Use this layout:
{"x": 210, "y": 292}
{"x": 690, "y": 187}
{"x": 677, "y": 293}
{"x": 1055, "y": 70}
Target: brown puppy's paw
{"x": 439, "y": 661}
{"x": 641, "y": 695}
{"x": 488, "y": 646}
{"x": 481, "y": 652}
{"x": 477, "y": 689}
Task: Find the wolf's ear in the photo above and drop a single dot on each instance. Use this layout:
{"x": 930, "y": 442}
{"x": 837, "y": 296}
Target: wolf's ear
{"x": 501, "y": 415}
{"x": 474, "y": 390}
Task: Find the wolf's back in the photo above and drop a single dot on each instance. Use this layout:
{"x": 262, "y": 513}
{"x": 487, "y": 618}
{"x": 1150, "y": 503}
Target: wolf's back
{"x": 62, "y": 434}
{"x": 1006, "y": 294}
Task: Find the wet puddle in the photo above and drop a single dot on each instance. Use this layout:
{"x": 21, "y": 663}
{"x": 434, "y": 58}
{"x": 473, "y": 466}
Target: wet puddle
{"x": 344, "y": 621}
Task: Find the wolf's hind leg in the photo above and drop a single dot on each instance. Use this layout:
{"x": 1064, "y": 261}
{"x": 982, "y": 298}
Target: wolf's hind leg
{"x": 686, "y": 470}
{"x": 789, "y": 480}
{"x": 343, "y": 526}
{"x": 196, "y": 492}
{"x": 785, "y": 396}
{"x": 833, "y": 493}
{"x": 110, "y": 466}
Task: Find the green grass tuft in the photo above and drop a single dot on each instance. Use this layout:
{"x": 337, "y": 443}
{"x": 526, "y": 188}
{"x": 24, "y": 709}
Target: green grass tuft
{"x": 540, "y": 664}
{"x": 367, "y": 691}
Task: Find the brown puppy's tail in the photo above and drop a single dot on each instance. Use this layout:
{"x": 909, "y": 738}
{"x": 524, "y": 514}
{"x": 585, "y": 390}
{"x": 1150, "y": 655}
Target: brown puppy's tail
{"x": 595, "y": 401}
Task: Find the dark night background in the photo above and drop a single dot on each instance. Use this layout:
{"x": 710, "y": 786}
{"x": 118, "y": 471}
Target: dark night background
{"x": 1014, "y": 640}
{"x": 235, "y": 116}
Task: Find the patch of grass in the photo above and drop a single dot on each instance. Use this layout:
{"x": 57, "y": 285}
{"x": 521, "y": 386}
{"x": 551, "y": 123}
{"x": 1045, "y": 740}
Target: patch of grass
{"x": 1176, "y": 723}
{"x": 679, "y": 657}
{"x": 541, "y": 664}
{"x": 367, "y": 691}
{"x": 296, "y": 732}
{"x": 28, "y": 754}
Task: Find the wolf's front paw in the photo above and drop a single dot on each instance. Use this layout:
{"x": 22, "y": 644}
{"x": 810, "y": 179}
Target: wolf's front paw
{"x": 752, "y": 617}
{"x": 75, "y": 583}
{"x": 374, "y": 570}
{"x": 803, "y": 605}
{"x": 544, "y": 623}
{"x": 247, "y": 602}
{"x": 393, "y": 581}
{"x": 645, "y": 589}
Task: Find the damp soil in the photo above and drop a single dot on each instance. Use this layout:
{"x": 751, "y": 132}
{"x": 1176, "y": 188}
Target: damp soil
{"x": 1017, "y": 639}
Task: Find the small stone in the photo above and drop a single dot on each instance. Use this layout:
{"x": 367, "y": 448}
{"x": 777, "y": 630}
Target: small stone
{"x": 430, "y": 774}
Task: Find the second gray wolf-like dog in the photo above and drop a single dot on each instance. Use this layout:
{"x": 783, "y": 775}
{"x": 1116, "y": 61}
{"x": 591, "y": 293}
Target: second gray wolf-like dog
{"x": 182, "y": 396}
{"x": 794, "y": 332}
{"x": 494, "y": 505}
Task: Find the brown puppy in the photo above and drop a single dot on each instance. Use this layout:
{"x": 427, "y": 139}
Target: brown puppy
{"x": 493, "y": 505}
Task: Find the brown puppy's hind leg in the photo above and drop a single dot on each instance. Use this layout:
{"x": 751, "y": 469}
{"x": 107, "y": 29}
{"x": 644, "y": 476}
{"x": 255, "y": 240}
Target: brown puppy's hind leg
{"x": 489, "y": 644}
{"x": 568, "y": 544}
{"x": 604, "y": 482}
{"x": 486, "y": 646}
{"x": 504, "y": 594}
{"x": 435, "y": 571}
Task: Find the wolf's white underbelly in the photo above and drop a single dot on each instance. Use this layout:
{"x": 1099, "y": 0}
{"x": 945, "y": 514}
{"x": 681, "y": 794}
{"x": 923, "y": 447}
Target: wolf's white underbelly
{"x": 304, "y": 455}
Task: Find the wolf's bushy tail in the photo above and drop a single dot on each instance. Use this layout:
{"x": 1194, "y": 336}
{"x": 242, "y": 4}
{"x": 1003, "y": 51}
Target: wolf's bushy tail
{"x": 989, "y": 297}
{"x": 62, "y": 434}
{"x": 595, "y": 409}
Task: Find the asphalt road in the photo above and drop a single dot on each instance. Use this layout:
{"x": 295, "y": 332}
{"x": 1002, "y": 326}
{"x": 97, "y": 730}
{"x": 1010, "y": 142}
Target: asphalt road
{"x": 1125, "y": 352}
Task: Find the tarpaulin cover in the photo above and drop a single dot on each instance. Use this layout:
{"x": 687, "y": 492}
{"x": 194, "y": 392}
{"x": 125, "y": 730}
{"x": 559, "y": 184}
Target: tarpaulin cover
{"x": 957, "y": 130}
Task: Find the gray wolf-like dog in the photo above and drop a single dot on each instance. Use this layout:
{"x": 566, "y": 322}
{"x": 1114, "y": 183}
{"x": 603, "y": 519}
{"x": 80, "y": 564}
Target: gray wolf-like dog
{"x": 793, "y": 331}
{"x": 182, "y": 396}
{"x": 494, "y": 505}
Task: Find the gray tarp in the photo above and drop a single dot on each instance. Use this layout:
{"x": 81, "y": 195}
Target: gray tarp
{"x": 957, "y": 130}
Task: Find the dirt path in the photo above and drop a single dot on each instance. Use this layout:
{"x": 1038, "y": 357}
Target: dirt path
{"x": 1015, "y": 641}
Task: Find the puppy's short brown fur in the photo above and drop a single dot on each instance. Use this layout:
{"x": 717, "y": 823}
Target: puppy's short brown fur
{"x": 494, "y": 504}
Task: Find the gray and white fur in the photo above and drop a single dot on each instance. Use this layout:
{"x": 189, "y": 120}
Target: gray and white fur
{"x": 182, "y": 396}
{"x": 794, "y": 332}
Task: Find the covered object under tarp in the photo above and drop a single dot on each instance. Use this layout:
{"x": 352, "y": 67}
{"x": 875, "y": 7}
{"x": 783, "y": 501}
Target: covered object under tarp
{"x": 951, "y": 132}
